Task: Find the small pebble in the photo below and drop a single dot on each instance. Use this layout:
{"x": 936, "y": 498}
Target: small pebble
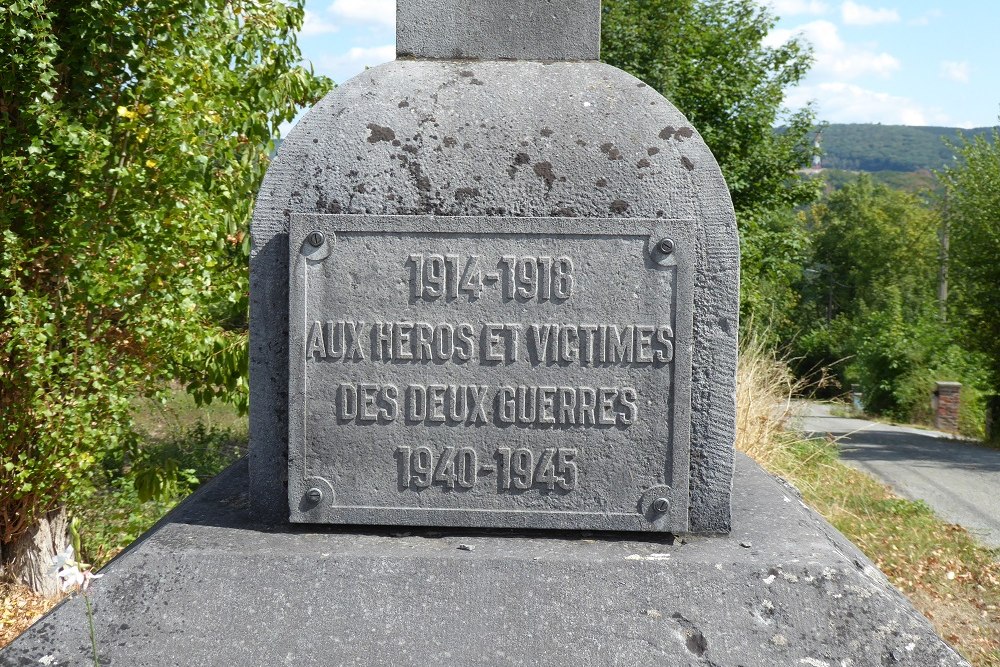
{"x": 746, "y": 545}
{"x": 466, "y": 547}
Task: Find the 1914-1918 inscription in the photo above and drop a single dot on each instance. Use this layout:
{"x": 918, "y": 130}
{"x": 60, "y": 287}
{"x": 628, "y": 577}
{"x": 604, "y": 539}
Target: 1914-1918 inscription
{"x": 481, "y": 371}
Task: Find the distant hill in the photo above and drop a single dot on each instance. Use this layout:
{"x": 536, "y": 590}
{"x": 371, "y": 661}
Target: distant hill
{"x": 875, "y": 148}
{"x": 922, "y": 181}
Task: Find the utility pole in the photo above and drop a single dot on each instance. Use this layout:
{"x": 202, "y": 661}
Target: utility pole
{"x": 944, "y": 239}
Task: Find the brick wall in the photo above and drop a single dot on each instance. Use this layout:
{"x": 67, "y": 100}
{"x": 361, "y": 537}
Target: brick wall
{"x": 946, "y": 404}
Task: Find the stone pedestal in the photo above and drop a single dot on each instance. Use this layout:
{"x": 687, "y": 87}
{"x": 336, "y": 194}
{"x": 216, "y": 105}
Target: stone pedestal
{"x": 210, "y": 585}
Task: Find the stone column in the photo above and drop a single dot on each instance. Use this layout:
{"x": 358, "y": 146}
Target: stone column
{"x": 556, "y": 30}
{"x": 946, "y": 404}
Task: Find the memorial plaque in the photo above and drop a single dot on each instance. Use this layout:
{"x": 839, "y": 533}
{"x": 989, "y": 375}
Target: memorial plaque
{"x": 490, "y": 371}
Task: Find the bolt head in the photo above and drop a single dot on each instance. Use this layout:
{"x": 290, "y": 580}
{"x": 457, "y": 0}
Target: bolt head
{"x": 666, "y": 246}
{"x": 661, "y": 505}
{"x": 316, "y": 239}
{"x": 314, "y": 495}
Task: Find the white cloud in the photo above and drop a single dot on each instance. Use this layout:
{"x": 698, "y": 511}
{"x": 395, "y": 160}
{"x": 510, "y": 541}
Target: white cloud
{"x": 956, "y": 71}
{"x": 314, "y": 24}
{"x": 835, "y": 57}
{"x": 366, "y": 11}
{"x": 925, "y": 19}
{"x": 343, "y": 66}
{"x": 854, "y": 14}
{"x": 848, "y": 103}
{"x": 795, "y": 7}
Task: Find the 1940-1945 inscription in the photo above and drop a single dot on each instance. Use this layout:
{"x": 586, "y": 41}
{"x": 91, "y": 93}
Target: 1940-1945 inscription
{"x": 514, "y": 372}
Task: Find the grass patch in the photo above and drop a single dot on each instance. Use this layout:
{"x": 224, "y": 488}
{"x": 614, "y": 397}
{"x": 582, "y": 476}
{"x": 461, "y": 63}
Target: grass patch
{"x": 180, "y": 447}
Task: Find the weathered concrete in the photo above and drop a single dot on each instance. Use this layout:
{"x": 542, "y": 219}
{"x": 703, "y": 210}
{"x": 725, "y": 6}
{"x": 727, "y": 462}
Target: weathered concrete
{"x": 210, "y": 586}
{"x": 499, "y": 29}
{"x": 532, "y": 139}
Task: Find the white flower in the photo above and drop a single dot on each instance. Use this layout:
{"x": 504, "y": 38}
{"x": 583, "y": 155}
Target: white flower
{"x": 71, "y": 573}
{"x": 89, "y": 577}
{"x": 71, "y": 576}
{"x": 63, "y": 559}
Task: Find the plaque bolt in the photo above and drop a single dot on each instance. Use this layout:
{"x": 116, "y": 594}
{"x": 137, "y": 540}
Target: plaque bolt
{"x": 661, "y": 504}
{"x": 666, "y": 246}
{"x": 314, "y": 495}
{"x": 316, "y": 239}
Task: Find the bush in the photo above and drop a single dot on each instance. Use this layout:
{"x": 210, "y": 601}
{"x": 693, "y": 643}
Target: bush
{"x": 137, "y": 489}
{"x": 133, "y": 140}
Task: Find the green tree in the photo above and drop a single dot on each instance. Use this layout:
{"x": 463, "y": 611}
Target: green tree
{"x": 868, "y": 238}
{"x": 973, "y": 207}
{"x": 709, "y": 58}
{"x": 133, "y": 137}
{"x": 869, "y": 295}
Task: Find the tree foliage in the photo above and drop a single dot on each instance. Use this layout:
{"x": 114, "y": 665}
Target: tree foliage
{"x": 973, "y": 208}
{"x": 869, "y": 303}
{"x": 132, "y": 140}
{"x": 871, "y": 245}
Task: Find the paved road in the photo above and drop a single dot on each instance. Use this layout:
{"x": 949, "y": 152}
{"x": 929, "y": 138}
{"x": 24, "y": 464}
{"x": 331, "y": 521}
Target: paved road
{"x": 960, "y": 481}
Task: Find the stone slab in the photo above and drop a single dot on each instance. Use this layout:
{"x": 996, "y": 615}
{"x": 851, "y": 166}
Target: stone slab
{"x": 499, "y": 29}
{"x": 210, "y": 585}
{"x": 490, "y": 371}
{"x": 532, "y": 140}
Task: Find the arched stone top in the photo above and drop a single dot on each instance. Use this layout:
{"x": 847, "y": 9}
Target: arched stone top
{"x": 508, "y": 139}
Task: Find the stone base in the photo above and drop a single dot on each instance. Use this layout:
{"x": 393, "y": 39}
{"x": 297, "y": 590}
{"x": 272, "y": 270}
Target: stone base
{"x": 210, "y": 586}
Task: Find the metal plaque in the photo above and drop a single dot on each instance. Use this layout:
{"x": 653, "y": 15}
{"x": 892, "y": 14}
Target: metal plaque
{"x": 488, "y": 371}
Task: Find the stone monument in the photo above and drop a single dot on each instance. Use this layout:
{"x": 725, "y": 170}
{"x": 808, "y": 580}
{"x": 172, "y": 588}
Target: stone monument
{"x": 494, "y": 284}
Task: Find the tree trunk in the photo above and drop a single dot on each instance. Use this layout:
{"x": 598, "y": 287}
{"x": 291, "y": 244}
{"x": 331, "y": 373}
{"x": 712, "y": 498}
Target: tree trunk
{"x": 28, "y": 560}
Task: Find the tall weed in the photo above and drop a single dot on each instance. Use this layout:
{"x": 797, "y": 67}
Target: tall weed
{"x": 765, "y": 386}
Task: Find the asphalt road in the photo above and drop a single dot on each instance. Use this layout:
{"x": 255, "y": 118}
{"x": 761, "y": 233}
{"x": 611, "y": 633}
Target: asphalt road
{"x": 961, "y": 482}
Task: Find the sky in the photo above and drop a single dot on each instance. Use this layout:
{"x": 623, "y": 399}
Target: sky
{"x": 895, "y": 62}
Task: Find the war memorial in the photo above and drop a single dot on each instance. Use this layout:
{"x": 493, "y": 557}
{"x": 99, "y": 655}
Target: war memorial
{"x": 494, "y": 316}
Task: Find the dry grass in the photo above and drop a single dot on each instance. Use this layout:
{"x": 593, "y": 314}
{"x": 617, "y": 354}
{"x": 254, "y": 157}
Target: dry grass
{"x": 19, "y": 608}
{"x": 951, "y": 579}
{"x": 764, "y": 390}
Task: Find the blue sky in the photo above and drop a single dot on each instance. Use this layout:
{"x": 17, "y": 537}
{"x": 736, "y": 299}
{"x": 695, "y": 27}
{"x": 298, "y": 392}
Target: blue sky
{"x": 918, "y": 62}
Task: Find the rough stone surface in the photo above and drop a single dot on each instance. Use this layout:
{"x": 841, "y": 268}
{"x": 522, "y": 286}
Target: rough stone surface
{"x": 499, "y": 29}
{"x": 212, "y": 586}
{"x": 532, "y": 139}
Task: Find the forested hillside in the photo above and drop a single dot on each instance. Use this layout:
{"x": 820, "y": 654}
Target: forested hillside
{"x": 870, "y": 147}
